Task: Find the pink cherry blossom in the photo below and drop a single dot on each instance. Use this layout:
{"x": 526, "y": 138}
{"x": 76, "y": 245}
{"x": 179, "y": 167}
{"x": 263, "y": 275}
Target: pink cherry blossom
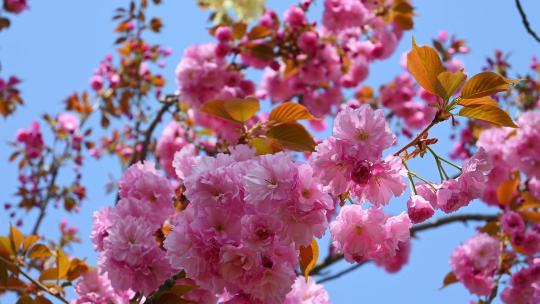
{"x": 419, "y": 209}
{"x": 451, "y": 196}
{"x": 294, "y": 17}
{"x": 144, "y": 192}
{"x": 307, "y": 293}
{"x": 172, "y": 139}
{"x": 271, "y": 180}
{"x": 396, "y": 263}
{"x": 103, "y": 220}
{"x": 378, "y": 182}
{"x": 132, "y": 257}
{"x": 184, "y": 161}
{"x": 68, "y": 122}
{"x": 200, "y": 74}
{"x": 15, "y": 6}
{"x": 362, "y": 234}
{"x": 474, "y": 263}
{"x": 364, "y": 127}
{"x": 95, "y": 288}
{"x": 523, "y": 286}
{"x": 32, "y": 139}
{"x": 341, "y": 14}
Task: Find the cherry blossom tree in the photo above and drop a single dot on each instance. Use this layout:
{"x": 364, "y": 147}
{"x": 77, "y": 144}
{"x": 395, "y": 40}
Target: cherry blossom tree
{"x": 229, "y": 203}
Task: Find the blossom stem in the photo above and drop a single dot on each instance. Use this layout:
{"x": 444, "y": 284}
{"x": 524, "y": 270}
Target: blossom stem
{"x": 424, "y": 180}
{"x": 451, "y": 164}
{"x": 411, "y": 182}
{"x": 443, "y": 159}
{"x": 439, "y": 165}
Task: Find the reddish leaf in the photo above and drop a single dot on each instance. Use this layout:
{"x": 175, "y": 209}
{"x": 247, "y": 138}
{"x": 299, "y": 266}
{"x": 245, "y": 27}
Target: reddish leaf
{"x": 308, "y": 257}
{"x": 425, "y": 65}
{"x": 292, "y": 135}
{"x": 488, "y": 113}
{"x": 290, "y": 111}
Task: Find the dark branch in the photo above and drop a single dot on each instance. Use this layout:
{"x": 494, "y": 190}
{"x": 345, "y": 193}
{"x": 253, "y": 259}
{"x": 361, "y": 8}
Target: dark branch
{"x": 167, "y": 285}
{"x": 168, "y": 102}
{"x": 453, "y": 219}
{"x": 341, "y": 273}
{"x": 465, "y": 218}
{"x": 36, "y": 283}
{"x": 418, "y": 137}
{"x": 525, "y": 21}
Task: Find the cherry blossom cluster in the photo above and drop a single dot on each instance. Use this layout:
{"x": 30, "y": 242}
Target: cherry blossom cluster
{"x": 39, "y": 163}
{"x": 512, "y": 150}
{"x": 300, "y": 58}
{"x": 247, "y": 217}
{"x": 124, "y": 235}
{"x": 479, "y": 261}
{"x": 475, "y": 262}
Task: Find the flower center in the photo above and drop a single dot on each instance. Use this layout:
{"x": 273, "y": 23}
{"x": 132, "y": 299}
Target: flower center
{"x": 362, "y": 172}
{"x": 363, "y": 135}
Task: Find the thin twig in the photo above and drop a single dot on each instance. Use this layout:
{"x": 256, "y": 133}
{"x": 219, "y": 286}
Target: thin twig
{"x": 43, "y": 204}
{"x": 168, "y": 284}
{"x": 415, "y": 141}
{"x": 463, "y": 218}
{"x": 341, "y": 273}
{"x": 36, "y": 283}
{"x": 169, "y": 101}
{"x": 500, "y": 273}
{"x": 525, "y": 21}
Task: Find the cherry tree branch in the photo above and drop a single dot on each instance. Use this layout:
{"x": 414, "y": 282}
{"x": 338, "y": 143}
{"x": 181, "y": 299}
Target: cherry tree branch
{"x": 461, "y": 218}
{"x": 33, "y": 281}
{"x": 168, "y": 102}
{"x": 168, "y": 284}
{"x": 525, "y": 21}
{"x": 341, "y": 273}
{"x": 500, "y": 272}
{"x": 415, "y": 141}
{"x": 43, "y": 204}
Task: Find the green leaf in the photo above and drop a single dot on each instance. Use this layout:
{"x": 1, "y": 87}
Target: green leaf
{"x": 488, "y": 113}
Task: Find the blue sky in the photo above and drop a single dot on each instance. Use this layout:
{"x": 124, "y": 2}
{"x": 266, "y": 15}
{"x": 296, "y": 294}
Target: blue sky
{"x": 55, "y": 47}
